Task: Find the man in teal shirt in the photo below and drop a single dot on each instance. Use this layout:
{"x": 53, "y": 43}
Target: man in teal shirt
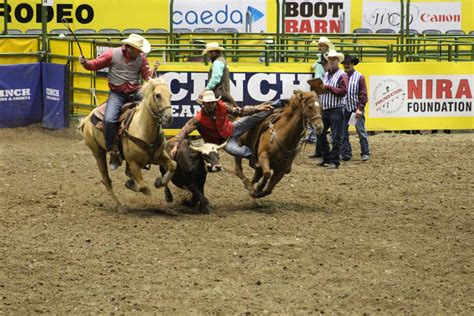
{"x": 324, "y": 45}
{"x": 219, "y": 78}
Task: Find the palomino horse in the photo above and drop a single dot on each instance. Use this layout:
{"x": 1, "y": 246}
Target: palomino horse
{"x": 276, "y": 139}
{"x": 143, "y": 142}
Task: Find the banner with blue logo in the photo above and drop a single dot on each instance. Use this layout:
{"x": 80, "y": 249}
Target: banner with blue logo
{"x": 20, "y": 95}
{"x": 55, "y": 95}
{"x": 244, "y": 16}
{"x": 34, "y": 93}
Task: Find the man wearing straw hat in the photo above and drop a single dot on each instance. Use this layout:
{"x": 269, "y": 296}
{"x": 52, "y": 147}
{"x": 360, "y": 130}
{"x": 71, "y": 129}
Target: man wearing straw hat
{"x": 126, "y": 65}
{"x": 324, "y": 45}
{"x": 333, "y": 101}
{"x": 219, "y": 78}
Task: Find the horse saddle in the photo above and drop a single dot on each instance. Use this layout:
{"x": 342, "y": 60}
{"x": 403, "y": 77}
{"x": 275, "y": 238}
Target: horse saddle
{"x": 252, "y": 137}
{"x": 125, "y": 117}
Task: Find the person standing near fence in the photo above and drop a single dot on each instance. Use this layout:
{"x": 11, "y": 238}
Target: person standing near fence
{"x": 126, "y": 65}
{"x": 333, "y": 102}
{"x": 319, "y": 68}
{"x": 356, "y": 98}
{"x": 219, "y": 75}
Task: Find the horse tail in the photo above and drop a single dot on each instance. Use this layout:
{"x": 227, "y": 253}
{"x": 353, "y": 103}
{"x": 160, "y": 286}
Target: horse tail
{"x": 82, "y": 122}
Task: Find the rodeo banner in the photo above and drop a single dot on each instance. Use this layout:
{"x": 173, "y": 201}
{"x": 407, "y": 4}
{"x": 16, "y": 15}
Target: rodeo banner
{"x": 303, "y": 16}
{"x": 247, "y": 88}
{"x": 401, "y": 96}
{"x": 33, "y": 93}
{"x": 420, "y": 96}
{"x": 441, "y": 16}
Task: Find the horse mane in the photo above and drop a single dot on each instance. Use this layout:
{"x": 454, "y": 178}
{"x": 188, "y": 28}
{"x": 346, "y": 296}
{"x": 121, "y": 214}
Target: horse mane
{"x": 296, "y": 100}
{"x": 148, "y": 87}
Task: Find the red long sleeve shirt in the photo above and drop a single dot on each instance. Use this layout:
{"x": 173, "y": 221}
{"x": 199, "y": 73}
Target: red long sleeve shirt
{"x": 104, "y": 61}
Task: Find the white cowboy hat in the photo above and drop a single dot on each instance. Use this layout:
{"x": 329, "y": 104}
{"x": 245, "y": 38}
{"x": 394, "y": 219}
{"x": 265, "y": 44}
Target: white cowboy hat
{"x": 208, "y": 96}
{"x": 139, "y": 42}
{"x": 324, "y": 40}
{"x": 334, "y": 53}
{"x": 212, "y": 46}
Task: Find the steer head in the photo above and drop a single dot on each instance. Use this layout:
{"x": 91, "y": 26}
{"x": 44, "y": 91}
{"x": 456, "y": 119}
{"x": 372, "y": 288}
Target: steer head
{"x": 210, "y": 155}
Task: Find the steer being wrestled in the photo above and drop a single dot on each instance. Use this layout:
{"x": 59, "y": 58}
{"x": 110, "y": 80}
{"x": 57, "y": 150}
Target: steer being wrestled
{"x": 193, "y": 164}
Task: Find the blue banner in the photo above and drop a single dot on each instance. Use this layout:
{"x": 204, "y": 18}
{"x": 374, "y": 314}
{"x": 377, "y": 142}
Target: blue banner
{"x": 55, "y": 95}
{"x": 247, "y": 88}
{"x": 20, "y": 95}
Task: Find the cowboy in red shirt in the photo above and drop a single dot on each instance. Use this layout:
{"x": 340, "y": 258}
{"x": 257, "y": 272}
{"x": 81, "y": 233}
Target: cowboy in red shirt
{"x": 212, "y": 121}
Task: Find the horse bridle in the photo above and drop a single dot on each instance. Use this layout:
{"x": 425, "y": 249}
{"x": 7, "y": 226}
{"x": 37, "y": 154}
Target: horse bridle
{"x": 158, "y": 115}
{"x": 305, "y": 118}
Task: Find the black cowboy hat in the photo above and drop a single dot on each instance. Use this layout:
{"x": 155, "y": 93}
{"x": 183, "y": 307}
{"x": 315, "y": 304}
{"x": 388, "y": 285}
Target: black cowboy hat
{"x": 348, "y": 59}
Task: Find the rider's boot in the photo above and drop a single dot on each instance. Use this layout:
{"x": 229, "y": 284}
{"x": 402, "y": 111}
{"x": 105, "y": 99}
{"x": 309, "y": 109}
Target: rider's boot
{"x": 111, "y": 144}
{"x": 253, "y": 161}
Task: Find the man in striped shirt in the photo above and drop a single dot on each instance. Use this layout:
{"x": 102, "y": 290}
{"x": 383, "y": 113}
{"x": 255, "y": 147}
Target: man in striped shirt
{"x": 319, "y": 67}
{"x": 356, "y": 99}
{"x": 333, "y": 102}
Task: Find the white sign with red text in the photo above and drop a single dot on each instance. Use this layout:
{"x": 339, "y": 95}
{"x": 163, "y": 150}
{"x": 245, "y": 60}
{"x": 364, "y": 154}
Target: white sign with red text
{"x": 323, "y": 16}
{"x": 441, "y": 16}
{"x": 421, "y": 96}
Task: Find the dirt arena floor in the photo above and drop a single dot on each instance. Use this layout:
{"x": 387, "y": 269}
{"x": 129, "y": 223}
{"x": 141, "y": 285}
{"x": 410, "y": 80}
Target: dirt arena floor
{"x": 390, "y": 236}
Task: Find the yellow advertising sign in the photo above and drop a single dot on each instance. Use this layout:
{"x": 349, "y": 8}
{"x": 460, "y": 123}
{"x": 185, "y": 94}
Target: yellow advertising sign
{"x": 118, "y": 14}
{"x": 307, "y": 16}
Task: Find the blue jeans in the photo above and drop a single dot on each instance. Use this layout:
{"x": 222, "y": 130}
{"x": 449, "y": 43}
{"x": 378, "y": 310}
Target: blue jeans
{"x": 114, "y": 105}
{"x": 332, "y": 118}
{"x": 241, "y": 126}
{"x": 346, "y": 148}
{"x": 112, "y": 114}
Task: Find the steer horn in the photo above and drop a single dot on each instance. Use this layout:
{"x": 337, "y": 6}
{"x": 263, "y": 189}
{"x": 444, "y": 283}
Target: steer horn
{"x": 194, "y": 148}
{"x": 222, "y": 145}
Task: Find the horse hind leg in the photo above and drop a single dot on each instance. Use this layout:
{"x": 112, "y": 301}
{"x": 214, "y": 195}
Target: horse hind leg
{"x": 239, "y": 172}
{"x": 101, "y": 158}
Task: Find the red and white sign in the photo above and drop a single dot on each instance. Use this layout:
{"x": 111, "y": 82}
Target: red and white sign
{"x": 441, "y": 16}
{"x": 421, "y": 96}
{"x": 303, "y": 16}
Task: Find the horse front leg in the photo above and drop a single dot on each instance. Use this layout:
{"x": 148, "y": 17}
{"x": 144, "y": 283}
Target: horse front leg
{"x": 239, "y": 172}
{"x": 274, "y": 179}
{"x": 170, "y": 165}
{"x": 136, "y": 182}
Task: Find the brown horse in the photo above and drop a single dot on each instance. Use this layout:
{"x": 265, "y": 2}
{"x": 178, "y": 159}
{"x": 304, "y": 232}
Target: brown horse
{"x": 143, "y": 142}
{"x": 276, "y": 139}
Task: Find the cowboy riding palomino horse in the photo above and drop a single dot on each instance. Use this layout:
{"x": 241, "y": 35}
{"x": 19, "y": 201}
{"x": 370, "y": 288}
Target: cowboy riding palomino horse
{"x": 276, "y": 139}
{"x": 142, "y": 139}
